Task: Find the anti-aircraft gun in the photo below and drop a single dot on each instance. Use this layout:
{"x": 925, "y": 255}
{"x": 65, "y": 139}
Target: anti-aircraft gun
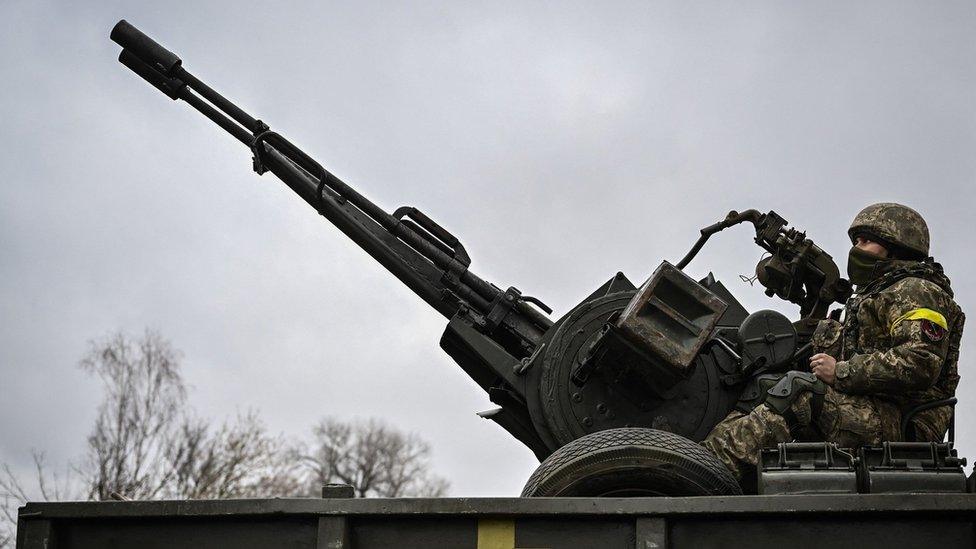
{"x": 668, "y": 359}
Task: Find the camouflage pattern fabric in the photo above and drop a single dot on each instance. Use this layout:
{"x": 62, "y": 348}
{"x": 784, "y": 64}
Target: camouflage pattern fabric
{"x": 893, "y": 354}
{"x": 848, "y": 420}
{"x": 895, "y": 348}
{"x": 827, "y": 338}
{"x": 895, "y": 224}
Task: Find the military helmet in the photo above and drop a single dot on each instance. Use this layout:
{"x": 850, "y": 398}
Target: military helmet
{"x": 896, "y": 226}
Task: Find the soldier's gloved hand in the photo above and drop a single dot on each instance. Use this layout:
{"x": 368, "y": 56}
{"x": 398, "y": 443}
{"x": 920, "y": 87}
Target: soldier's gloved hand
{"x": 824, "y": 367}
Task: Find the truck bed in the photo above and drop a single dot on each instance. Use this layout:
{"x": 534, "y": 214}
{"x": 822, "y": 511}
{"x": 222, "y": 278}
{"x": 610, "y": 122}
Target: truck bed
{"x": 867, "y": 521}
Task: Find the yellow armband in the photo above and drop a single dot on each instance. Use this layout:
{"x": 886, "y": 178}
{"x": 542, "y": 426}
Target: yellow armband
{"x": 921, "y": 314}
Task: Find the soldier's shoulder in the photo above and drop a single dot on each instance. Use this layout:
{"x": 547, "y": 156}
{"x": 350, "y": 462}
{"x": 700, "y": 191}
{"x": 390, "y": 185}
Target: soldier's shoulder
{"x": 919, "y": 290}
{"x": 914, "y": 284}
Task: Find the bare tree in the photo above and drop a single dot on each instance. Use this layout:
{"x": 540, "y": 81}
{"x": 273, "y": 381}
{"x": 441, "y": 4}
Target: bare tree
{"x": 371, "y": 456}
{"x": 147, "y": 444}
{"x": 235, "y": 460}
{"x": 137, "y": 420}
{"x": 13, "y": 493}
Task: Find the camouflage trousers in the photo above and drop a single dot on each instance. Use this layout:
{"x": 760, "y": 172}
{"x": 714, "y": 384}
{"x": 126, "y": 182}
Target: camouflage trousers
{"x": 848, "y": 420}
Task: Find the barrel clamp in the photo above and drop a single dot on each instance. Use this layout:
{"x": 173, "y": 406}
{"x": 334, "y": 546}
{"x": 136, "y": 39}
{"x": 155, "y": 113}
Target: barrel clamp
{"x": 500, "y": 307}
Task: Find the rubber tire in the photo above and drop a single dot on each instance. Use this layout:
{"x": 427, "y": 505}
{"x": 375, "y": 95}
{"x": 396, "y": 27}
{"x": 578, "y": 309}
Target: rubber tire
{"x": 631, "y": 462}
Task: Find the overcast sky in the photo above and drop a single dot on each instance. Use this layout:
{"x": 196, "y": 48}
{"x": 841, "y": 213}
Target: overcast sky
{"x": 560, "y": 141}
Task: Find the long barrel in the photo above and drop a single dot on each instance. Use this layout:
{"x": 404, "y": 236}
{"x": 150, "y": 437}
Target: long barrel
{"x": 418, "y": 251}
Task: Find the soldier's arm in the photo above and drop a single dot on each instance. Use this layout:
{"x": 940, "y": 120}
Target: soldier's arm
{"x": 914, "y": 318}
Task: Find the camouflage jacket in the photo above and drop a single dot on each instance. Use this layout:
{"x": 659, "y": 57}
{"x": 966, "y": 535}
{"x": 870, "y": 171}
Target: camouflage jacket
{"x": 899, "y": 345}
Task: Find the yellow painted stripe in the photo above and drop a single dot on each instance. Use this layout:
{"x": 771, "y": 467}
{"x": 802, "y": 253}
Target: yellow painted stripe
{"x": 496, "y": 534}
{"x": 921, "y": 314}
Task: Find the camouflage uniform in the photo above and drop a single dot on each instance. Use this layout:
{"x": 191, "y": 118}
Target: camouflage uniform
{"x": 897, "y": 348}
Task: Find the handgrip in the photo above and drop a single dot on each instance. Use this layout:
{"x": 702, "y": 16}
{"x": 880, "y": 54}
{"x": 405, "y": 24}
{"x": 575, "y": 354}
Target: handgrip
{"x": 145, "y": 48}
{"x": 440, "y": 233}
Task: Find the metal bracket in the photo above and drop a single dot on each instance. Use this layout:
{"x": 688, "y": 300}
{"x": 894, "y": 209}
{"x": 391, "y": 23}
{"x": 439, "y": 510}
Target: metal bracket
{"x": 526, "y": 363}
{"x": 501, "y": 306}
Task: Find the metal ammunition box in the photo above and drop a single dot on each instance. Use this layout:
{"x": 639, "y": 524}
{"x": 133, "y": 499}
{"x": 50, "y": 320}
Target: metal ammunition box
{"x": 807, "y": 468}
{"x": 669, "y": 320}
{"x": 901, "y": 467}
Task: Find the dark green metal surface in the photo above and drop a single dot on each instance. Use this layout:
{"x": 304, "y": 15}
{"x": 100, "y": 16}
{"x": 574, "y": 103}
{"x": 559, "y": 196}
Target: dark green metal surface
{"x": 906, "y": 520}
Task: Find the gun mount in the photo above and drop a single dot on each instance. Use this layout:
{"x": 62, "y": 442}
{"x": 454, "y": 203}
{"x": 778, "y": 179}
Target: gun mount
{"x": 672, "y": 355}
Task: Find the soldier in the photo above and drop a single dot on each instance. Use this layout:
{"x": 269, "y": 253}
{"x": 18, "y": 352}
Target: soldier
{"x": 896, "y": 349}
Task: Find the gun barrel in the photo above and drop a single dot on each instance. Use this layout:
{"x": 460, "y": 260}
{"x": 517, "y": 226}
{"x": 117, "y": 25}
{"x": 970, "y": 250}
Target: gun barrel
{"x": 172, "y": 87}
{"x": 410, "y": 245}
{"x": 393, "y": 247}
{"x": 145, "y": 48}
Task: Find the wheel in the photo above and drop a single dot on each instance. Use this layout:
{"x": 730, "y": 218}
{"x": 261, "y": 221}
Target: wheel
{"x": 631, "y": 462}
